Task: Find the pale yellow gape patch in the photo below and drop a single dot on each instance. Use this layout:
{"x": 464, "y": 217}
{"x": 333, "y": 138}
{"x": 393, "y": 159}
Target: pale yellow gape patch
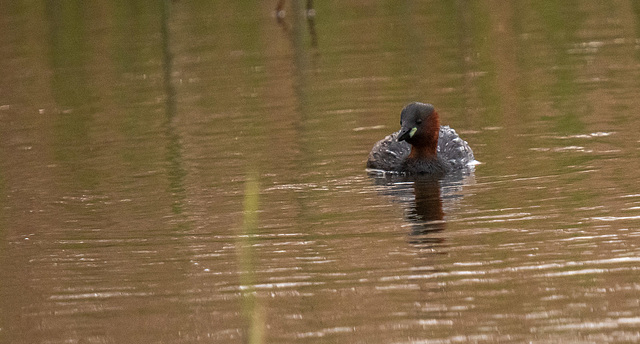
{"x": 413, "y": 131}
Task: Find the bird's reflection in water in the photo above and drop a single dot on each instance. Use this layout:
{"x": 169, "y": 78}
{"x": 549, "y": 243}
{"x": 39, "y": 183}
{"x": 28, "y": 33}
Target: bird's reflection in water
{"x": 422, "y": 198}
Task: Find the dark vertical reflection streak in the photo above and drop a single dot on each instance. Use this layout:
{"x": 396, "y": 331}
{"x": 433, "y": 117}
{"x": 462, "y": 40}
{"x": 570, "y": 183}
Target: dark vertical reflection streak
{"x": 636, "y": 11}
{"x": 311, "y": 22}
{"x": 302, "y": 81}
{"x": 176, "y": 172}
{"x": 73, "y": 91}
{"x": 310, "y": 15}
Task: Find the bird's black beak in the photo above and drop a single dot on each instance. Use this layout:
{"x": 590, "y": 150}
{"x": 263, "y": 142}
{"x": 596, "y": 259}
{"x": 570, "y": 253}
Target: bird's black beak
{"x": 406, "y": 133}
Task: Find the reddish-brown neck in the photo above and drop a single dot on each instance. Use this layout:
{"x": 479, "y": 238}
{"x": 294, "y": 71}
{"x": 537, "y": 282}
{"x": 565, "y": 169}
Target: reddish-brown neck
{"x": 425, "y": 145}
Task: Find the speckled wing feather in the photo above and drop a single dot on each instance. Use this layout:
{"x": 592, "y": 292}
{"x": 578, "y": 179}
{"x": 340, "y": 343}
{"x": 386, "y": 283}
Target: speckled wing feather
{"x": 454, "y": 150}
{"x": 388, "y": 154}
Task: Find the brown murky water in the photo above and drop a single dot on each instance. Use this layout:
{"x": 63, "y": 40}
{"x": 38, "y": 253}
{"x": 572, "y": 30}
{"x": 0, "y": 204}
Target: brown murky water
{"x": 194, "y": 173}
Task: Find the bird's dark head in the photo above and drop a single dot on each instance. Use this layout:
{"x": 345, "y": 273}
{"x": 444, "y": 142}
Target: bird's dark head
{"x": 419, "y": 126}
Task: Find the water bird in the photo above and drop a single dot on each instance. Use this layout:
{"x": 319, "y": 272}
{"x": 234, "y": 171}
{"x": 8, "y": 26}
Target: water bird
{"x": 421, "y": 146}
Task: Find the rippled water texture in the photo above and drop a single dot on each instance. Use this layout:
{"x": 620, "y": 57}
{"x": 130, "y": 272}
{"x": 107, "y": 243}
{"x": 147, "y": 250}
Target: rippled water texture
{"x": 194, "y": 173}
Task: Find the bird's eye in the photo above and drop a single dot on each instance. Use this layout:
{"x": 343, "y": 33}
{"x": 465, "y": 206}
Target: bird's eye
{"x": 418, "y": 121}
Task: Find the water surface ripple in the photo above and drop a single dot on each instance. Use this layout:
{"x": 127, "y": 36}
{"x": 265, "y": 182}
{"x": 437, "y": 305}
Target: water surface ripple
{"x": 193, "y": 173}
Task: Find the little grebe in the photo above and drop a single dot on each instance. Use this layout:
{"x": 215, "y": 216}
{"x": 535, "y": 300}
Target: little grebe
{"x": 421, "y": 146}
